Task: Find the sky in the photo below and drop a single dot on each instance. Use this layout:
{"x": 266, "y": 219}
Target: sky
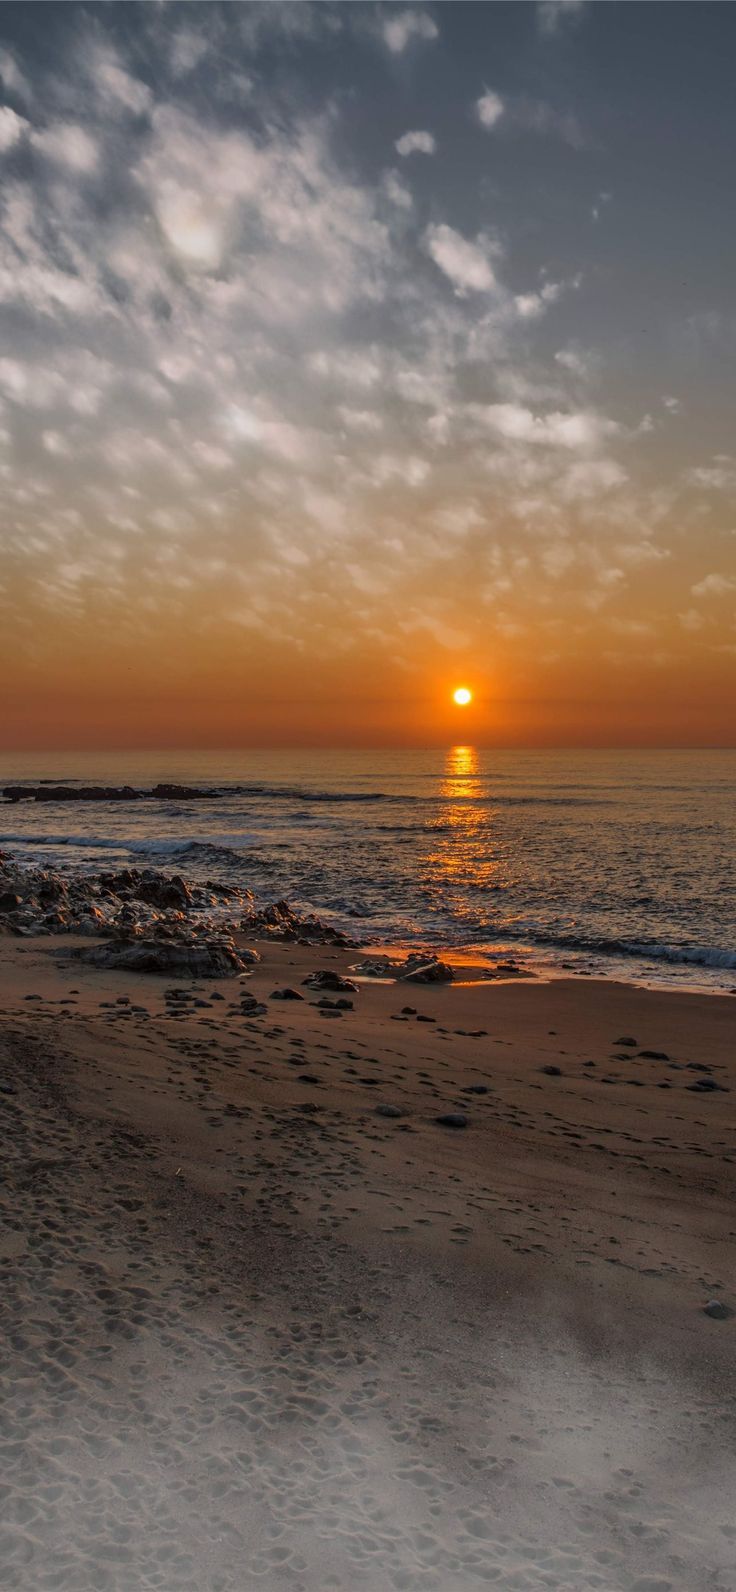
{"x": 354, "y": 352}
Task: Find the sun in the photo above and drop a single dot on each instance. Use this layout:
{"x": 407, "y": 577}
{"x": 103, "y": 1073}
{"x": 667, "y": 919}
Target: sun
{"x": 462, "y": 696}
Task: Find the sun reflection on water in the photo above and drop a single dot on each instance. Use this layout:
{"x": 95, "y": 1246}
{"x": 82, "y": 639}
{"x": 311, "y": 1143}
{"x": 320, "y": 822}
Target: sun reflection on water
{"x": 463, "y": 863}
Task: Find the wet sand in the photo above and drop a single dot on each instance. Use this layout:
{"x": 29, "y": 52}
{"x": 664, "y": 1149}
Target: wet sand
{"x": 271, "y": 1324}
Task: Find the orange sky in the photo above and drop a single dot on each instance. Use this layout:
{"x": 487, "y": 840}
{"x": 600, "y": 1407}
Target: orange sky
{"x": 334, "y": 375}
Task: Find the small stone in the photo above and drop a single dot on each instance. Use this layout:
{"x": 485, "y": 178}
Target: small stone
{"x": 286, "y": 995}
{"x": 552, "y": 1072}
{"x": 388, "y": 1111}
{"x": 716, "y": 1309}
{"x": 452, "y": 1119}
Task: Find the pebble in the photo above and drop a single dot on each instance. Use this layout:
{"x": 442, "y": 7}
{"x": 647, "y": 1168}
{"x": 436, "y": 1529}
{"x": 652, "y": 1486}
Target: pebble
{"x": 716, "y": 1309}
{"x": 452, "y": 1119}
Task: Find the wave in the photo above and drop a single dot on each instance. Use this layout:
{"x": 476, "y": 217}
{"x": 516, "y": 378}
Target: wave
{"x": 645, "y": 950}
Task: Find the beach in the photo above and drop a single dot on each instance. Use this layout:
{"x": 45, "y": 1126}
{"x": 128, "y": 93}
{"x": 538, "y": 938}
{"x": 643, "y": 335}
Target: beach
{"x": 273, "y": 1323}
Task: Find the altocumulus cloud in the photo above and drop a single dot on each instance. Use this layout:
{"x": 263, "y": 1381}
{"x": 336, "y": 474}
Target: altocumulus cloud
{"x": 242, "y": 354}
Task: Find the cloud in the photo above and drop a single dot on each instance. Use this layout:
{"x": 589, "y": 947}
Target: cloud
{"x": 553, "y": 14}
{"x": 116, "y": 86}
{"x": 67, "y": 145}
{"x": 466, "y": 264}
{"x": 12, "y": 128}
{"x": 399, "y": 29}
{"x": 572, "y": 360}
{"x": 577, "y": 431}
{"x": 416, "y": 143}
{"x": 537, "y": 116}
{"x": 397, "y": 191}
{"x": 489, "y": 108}
{"x": 714, "y": 586}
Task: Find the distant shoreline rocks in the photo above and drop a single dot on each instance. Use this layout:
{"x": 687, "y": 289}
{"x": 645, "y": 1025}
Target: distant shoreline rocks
{"x": 107, "y": 793}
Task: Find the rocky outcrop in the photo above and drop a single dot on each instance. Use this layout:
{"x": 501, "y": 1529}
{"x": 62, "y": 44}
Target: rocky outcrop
{"x": 106, "y": 793}
{"x": 193, "y": 958}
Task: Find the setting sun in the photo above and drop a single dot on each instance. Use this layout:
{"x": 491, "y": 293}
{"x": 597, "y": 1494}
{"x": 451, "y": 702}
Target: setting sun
{"x": 462, "y": 696}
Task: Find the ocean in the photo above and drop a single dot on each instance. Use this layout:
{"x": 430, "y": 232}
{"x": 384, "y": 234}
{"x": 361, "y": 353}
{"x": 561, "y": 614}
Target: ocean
{"x": 614, "y": 863}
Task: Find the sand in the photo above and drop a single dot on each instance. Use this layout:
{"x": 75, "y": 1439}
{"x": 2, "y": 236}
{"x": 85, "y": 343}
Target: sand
{"x": 269, "y": 1324}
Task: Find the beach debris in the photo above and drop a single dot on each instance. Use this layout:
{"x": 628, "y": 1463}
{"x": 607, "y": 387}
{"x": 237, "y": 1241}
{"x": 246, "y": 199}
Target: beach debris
{"x": 716, "y": 1309}
{"x": 452, "y": 1119}
{"x": 328, "y": 979}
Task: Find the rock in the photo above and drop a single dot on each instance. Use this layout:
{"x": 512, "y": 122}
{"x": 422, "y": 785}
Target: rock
{"x": 326, "y": 978}
{"x": 9, "y": 902}
{"x": 286, "y": 995}
{"x": 426, "y": 970}
{"x": 706, "y": 1086}
{"x": 408, "y": 1011}
{"x": 452, "y": 1119}
{"x": 653, "y": 1055}
{"x": 630, "y": 1043}
{"x": 159, "y": 891}
{"x": 376, "y": 967}
{"x": 197, "y": 958}
{"x": 716, "y": 1309}
{"x": 388, "y": 1111}
{"x": 552, "y": 1072}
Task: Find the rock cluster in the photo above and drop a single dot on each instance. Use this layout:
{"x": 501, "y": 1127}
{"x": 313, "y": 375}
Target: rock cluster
{"x": 279, "y": 922}
{"x": 134, "y": 903}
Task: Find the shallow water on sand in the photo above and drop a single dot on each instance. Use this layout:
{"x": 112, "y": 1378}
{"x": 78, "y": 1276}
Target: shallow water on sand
{"x": 619, "y": 863}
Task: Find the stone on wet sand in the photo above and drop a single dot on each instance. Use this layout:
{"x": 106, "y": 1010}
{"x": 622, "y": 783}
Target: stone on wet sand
{"x": 327, "y": 979}
{"x": 716, "y": 1309}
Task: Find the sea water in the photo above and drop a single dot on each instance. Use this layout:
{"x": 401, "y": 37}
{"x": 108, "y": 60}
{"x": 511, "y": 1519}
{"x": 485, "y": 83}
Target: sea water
{"x": 619, "y": 863}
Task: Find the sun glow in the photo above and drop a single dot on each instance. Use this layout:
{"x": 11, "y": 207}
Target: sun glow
{"x": 462, "y": 696}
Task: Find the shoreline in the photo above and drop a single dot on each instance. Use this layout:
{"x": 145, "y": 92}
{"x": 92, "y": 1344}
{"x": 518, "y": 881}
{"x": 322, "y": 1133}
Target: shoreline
{"x": 154, "y": 901}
